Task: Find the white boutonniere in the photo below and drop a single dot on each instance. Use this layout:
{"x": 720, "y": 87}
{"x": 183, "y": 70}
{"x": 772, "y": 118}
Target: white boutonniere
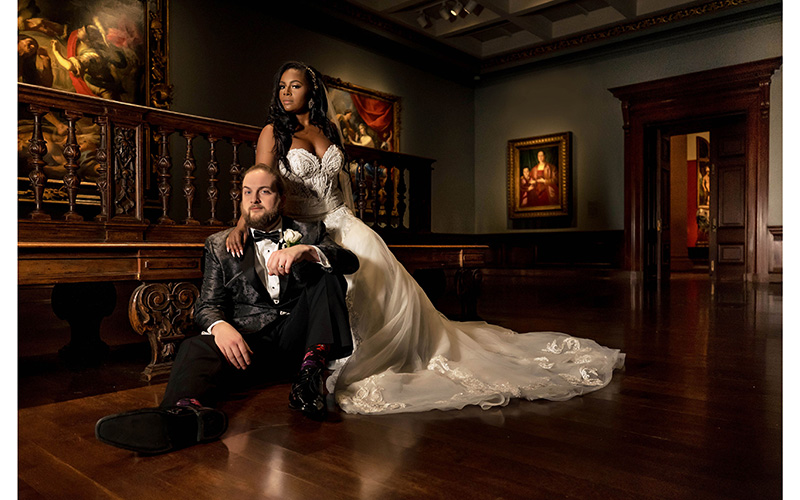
{"x": 291, "y": 237}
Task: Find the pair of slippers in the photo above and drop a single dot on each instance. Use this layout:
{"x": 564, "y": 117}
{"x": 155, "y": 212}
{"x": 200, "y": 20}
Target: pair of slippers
{"x": 160, "y": 430}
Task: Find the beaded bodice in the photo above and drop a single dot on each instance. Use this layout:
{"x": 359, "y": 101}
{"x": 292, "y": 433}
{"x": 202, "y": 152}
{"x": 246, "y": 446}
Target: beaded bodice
{"x": 312, "y": 185}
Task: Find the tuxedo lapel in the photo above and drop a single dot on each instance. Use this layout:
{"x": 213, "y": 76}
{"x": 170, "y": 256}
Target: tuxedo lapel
{"x": 249, "y": 269}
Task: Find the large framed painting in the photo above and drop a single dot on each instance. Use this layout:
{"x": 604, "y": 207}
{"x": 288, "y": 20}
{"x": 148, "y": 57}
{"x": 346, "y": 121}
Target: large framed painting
{"x": 539, "y": 176}
{"x": 114, "y": 49}
{"x": 366, "y": 117}
{"x": 111, "y": 49}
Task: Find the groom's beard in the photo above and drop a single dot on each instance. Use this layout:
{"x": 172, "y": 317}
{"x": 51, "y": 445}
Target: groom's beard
{"x": 265, "y": 220}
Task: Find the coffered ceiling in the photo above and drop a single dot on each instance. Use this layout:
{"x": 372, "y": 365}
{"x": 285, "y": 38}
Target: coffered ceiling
{"x": 487, "y": 28}
{"x": 490, "y": 35}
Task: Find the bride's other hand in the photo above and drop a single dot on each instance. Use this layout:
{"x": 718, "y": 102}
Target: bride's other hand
{"x": 235, "y": 241}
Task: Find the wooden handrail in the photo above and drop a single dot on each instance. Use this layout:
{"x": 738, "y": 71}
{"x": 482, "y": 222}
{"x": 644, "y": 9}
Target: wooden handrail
{"x": 71, "y": 245}
{"x": 89, "y": 105}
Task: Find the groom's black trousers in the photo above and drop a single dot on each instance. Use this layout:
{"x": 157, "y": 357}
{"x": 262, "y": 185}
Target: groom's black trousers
{"x": 200, "y": 370}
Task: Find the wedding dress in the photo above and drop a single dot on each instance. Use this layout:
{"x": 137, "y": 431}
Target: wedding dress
{"x": 408, "y": 356}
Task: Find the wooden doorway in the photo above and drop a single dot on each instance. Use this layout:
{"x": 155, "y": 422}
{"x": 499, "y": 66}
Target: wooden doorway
{"x": 649, "y": 109}
{"x": 695, "y": 196}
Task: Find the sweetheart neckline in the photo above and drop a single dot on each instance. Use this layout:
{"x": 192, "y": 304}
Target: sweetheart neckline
{"x": 319, "y": 160}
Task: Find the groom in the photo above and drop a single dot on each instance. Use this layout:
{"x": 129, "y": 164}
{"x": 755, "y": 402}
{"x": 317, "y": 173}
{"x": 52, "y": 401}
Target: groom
{"x": 278, "y": 307}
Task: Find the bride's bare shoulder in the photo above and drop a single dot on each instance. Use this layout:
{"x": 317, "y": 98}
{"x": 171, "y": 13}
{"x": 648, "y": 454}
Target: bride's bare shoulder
{"x": 268, "y": 132}
{"x": 266, "y": 145}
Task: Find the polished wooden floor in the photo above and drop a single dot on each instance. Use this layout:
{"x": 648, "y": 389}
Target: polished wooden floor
{"x": 696, "y": 414}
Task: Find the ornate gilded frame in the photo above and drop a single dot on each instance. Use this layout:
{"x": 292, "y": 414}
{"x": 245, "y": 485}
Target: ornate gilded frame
{"x": 336, "y": 86}
{"x": 159, "y": 90}
{"x": 544, "y": 191}
{"x": 60, "y": 36}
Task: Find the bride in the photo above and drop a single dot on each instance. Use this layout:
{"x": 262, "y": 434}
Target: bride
{"x": 408, "y": 356}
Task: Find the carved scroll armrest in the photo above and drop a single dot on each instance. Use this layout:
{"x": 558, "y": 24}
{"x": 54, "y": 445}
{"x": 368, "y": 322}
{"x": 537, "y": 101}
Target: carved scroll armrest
{"x": 165, "y": 313}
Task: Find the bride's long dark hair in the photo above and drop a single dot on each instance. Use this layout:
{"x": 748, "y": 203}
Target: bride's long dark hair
{"x": 285, "y": 124}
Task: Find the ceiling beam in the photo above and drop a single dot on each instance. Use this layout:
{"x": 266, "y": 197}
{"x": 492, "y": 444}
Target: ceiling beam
{"x": 394, "y": 7}
{"x": 538, "y": 26}
{"x": 517, "y": 6}
{"x": 627, "y": 8}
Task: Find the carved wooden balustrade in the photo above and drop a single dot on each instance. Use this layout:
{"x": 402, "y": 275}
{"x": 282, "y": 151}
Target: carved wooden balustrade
{"x": 146, "y": 161}
{"x": 111, "y": 191}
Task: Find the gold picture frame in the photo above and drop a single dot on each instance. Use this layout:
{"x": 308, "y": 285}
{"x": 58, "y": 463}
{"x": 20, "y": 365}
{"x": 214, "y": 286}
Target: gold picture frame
{"x": 367, "y": 117}
{"x": 539, "y": 176}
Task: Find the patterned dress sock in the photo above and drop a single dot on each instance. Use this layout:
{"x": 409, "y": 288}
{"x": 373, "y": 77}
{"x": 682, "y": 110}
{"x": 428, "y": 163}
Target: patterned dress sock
{"x": 316, "y": 356}
{"x": 189, "y": 402}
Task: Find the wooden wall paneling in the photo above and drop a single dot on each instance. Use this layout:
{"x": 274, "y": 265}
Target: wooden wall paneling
{"x": 776, "y": 253}
{"x": 731, "y": 246}
{"x": 732, "y": 200}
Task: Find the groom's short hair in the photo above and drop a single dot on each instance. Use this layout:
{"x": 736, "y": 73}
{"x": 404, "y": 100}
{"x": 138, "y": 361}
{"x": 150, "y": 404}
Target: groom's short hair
{"x": 280, "y": 187}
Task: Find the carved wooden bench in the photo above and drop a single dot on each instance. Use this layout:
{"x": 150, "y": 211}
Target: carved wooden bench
{"x": 161, "y": 308}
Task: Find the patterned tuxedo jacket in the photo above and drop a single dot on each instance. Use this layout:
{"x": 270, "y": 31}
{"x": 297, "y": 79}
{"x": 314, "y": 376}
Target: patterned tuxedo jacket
{"x": 232, "y": 290}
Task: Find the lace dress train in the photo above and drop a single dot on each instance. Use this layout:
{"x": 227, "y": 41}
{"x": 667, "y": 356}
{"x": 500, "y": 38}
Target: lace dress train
{"x": 408, "y": 356}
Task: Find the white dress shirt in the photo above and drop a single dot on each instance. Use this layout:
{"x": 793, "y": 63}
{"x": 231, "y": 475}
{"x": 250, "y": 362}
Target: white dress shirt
{"x": 264, "y": 249}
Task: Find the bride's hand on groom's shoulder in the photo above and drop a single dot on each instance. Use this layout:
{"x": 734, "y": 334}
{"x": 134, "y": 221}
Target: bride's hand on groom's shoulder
{"x": 234, "y": 243}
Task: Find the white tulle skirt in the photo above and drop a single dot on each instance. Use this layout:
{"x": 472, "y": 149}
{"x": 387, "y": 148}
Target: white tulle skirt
{"x": 411, "y": 358}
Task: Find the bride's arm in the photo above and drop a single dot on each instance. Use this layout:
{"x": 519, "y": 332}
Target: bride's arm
{"x": 234, "y": 243}
{"x": 265, "y": 147}
{"x": 264, "y": 154}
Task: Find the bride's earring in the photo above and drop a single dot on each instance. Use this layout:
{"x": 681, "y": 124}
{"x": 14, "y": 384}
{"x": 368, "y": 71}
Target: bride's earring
{"x": 311, "y": 103}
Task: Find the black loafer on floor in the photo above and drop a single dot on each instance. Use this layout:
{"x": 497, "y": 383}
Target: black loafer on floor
{"x": 306, "y": 394}
{"x": 159, "y": 430}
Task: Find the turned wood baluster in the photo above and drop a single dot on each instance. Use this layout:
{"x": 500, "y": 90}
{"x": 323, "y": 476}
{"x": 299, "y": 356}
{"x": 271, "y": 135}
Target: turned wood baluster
{"x": 164, "y": 165}
{"x": 37, "y": 150}
{"x": 362, "y": 188}
{"x": 376, "y": 202}
{"x": 236, "y": 182}
{"x": 102, "y": 169}
{"x": 189, "y": 167}
{"x": 388, "y": 187}
{"x": 401, "y": 198}
{"x": 72, "y": 152}
{"x": 213, "y": 191}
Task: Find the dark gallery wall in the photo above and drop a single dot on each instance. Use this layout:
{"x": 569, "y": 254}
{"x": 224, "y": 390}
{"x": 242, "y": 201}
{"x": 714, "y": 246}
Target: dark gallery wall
{"x": 223, "y": 58}
{"x": 574, "y": 97}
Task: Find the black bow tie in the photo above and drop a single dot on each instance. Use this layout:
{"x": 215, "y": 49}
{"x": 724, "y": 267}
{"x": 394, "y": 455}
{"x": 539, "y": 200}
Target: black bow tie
{"x": 274, "y": 236}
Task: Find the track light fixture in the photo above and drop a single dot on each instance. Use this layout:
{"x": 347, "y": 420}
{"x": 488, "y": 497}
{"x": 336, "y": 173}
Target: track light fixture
{"x": 423, "y": 21}
{"x": 450, "y": 11}
{"x": 444, "y": 12}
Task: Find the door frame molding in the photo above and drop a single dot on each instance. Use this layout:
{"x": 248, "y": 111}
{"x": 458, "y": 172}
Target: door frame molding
{"x": 732, "y": 90}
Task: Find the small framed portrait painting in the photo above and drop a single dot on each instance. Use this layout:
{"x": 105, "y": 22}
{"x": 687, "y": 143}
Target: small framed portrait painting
{"x": 539, "y": 176}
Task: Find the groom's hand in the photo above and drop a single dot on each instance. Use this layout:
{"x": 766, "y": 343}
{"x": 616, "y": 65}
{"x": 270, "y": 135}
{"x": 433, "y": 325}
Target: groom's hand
{"x": 232, "y": 345}
{"x": 281, "y": 262}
